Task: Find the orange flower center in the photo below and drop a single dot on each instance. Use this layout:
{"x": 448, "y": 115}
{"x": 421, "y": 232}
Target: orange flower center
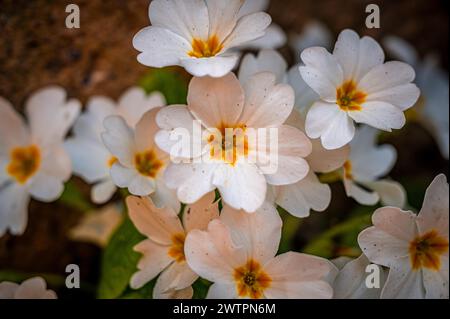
{"x": 147, "y": 163}
{"x": 228, "y": 143}
{"x": 348, "y": 174}
{"x": 425, "y": 251}
{"x": 24, "y": 163}
{"x": 176, "y": 251}
{"x": 113, "y": 160}
{"x": 251, "y": 280}
{"x": 349, "y": 98}
{"x": 206, "y": 49}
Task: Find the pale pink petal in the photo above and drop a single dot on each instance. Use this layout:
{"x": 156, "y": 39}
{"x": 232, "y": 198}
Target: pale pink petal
{"x": 403, "y": 283}
{"x": 103, "y": 191}
{"x": 145, "y": 131}
{"x": 436, "y": 282}
{"x": 175, "y": 277}
{"x": 8, "y": 289}
{"x": 222, "y": 291}
{"x": 158, "y": 224}
{"x": 13, "y": 209}
{"x": 199, "y": 214}
{"x": 13, "y": 131}
{"x": 360, "y": 194}
{"x": 34, "y": 288}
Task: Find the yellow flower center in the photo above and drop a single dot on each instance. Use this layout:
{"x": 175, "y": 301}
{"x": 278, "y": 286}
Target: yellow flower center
{"x": 251, "y": 280}
{"x": 348, "y": 174}
{"x": 228, "y": 143}
{"x": 24, "y": 163}
{"x": 113, "y": 160}
{"x": 147, "y": 163}
{"x": 425, "y": 251}
{"x": 176, "y": 251}
{"x": 206, "y": 49}
{"x": 349, "y": 98}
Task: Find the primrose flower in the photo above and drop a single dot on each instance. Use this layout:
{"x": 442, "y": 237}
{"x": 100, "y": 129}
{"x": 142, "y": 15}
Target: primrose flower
{"x": 136, "y": 162}
{"x": 414, "y": 247}
{"x": 163, "y": 250}
{"x": 367, "y": 163}
{"x": 433, "y": 106}
{"x": 198, "y": 35}
{"x": 33, "y": 288}
{"x": 274, "y": 38}
{"x": 33, "y": 162}
{"x": 355, "y": 85}
{"x": 237, "y": 165}
{"x": 351, "y": 281}
{"x": 298, "y": 198}
{"x": 91, "y": 159}
{"x": 237, "y": 253}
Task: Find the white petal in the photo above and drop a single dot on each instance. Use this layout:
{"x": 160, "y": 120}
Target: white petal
{"x": 402, "y": 96}
{"x": 322, "y": 72}
{"x": 13, "y": 209}
{"x": 34, "y": 288}
{"x": 158, "y": 224}
{"x": 13, "y": 131}
{"x": 252, "y": 6}
{"x": 122, "y": 176}
{"x": 216, "y": 67}
{"x": 357, "y": 56}
{"x": 199, "y": 214}
{"x": 298, "y": 276}
{"x": 222, "y": 291}
{"x": 402, "y": 283}
{"x": 304, "y": 95}
{"x": 265, "y": 61}
{"x": 299, "y": 198}
{"x": 436, "y": 282}
{"x": 401, "y": 49}
{"x": 322, "y": 160}
{"x": 135, "y": 102}
{"x": 258, "y": 233}
{"x": 165, "y": 197}
{"x": 187, "y": 18}
{"x": 51, "y": 115}
{"x": 177, "y": 276}
{"x": 274, "y": 38}
{"x": 155, "y": 258}
{"x": 186, "y": 293}
{"x": 89, "y": 158}
{"x": 267, "y": 104}
{"x": 391, "y": 193}
{"x": 242, "y": 186}
{"x": 192, "y": 181}
{"x": 248, "y": 28}
{"x": 381, "y": 115}
{"x": 8, "y": 289}
{"x": 45, "y": 187}
{"x": 434, "y": 212}
{"x": 223, "y": 16}
{"x": 142, "y": 185}
{"x": 216, "y": 101}
{"x": 361, "y": 195}
{"x": 160, "y": 47}
{"x": 119, "y": 139}
{"x": 212, "y": 253}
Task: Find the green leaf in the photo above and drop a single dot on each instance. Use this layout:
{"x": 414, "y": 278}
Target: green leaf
{"x": 291, "y": 225}
{"x": 72, "y": 197}
{"x": 119, "y": 261}
{"x": 201, "y": 287}
{"x": 171, "y": 84}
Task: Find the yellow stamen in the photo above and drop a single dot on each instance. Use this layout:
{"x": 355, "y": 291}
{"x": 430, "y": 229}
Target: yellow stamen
{"x": 147, "y": 163}
{"x": 348, "y": 170}
{"x": 25, "y": 162}
{"x": 349, "y": 98}
{"x": 222, "y": 148}
{"x": 113, "y": 160}
{"x": 206, "y": 49}
{"x": 251, "y": 280}
{"x": 176, "y": 251}
{"x": 425, "y": 251}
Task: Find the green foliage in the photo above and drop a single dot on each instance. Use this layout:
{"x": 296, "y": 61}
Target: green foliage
{"x": 201, "y": 287}
{"x": 173, "y": 85}
{"x": 290, "y": 228}
{"x": 72, "y": 197}
{"x": 119, "y": 261}
{"x": 145, "y": 292}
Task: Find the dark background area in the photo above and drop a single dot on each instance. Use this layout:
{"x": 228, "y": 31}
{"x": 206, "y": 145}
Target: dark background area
{"x": 36, "y": 49}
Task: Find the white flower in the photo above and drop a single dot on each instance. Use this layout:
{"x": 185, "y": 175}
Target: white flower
{"x": 138, "y": 164}
{"x": 97, "y": 227}
{"x": 33, "y": 288}
{"x": 32, "y": 159}
{"x": 237, "y": 253}
{"x": 91, "y": 159}
{"x": 220, "y": 104}
{"x": 350, "y": 282}
{"x": 163, "y": 251}
{"x": 432, "y": 109}
{"x": 198, "y": 35}
{"x": 414, "y": 247}
{"x": 355, "y": 85}
{"x": 274, "y": 38}
{"x": 367, "y": 164}
{"x": 299, "y": 198}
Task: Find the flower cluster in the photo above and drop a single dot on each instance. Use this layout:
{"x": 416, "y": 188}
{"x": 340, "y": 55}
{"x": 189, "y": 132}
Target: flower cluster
{"x": 206, "y": 178}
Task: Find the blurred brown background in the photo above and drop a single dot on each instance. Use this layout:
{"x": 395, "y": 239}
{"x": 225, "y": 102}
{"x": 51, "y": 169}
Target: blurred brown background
{"x": 36, "y": 49}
